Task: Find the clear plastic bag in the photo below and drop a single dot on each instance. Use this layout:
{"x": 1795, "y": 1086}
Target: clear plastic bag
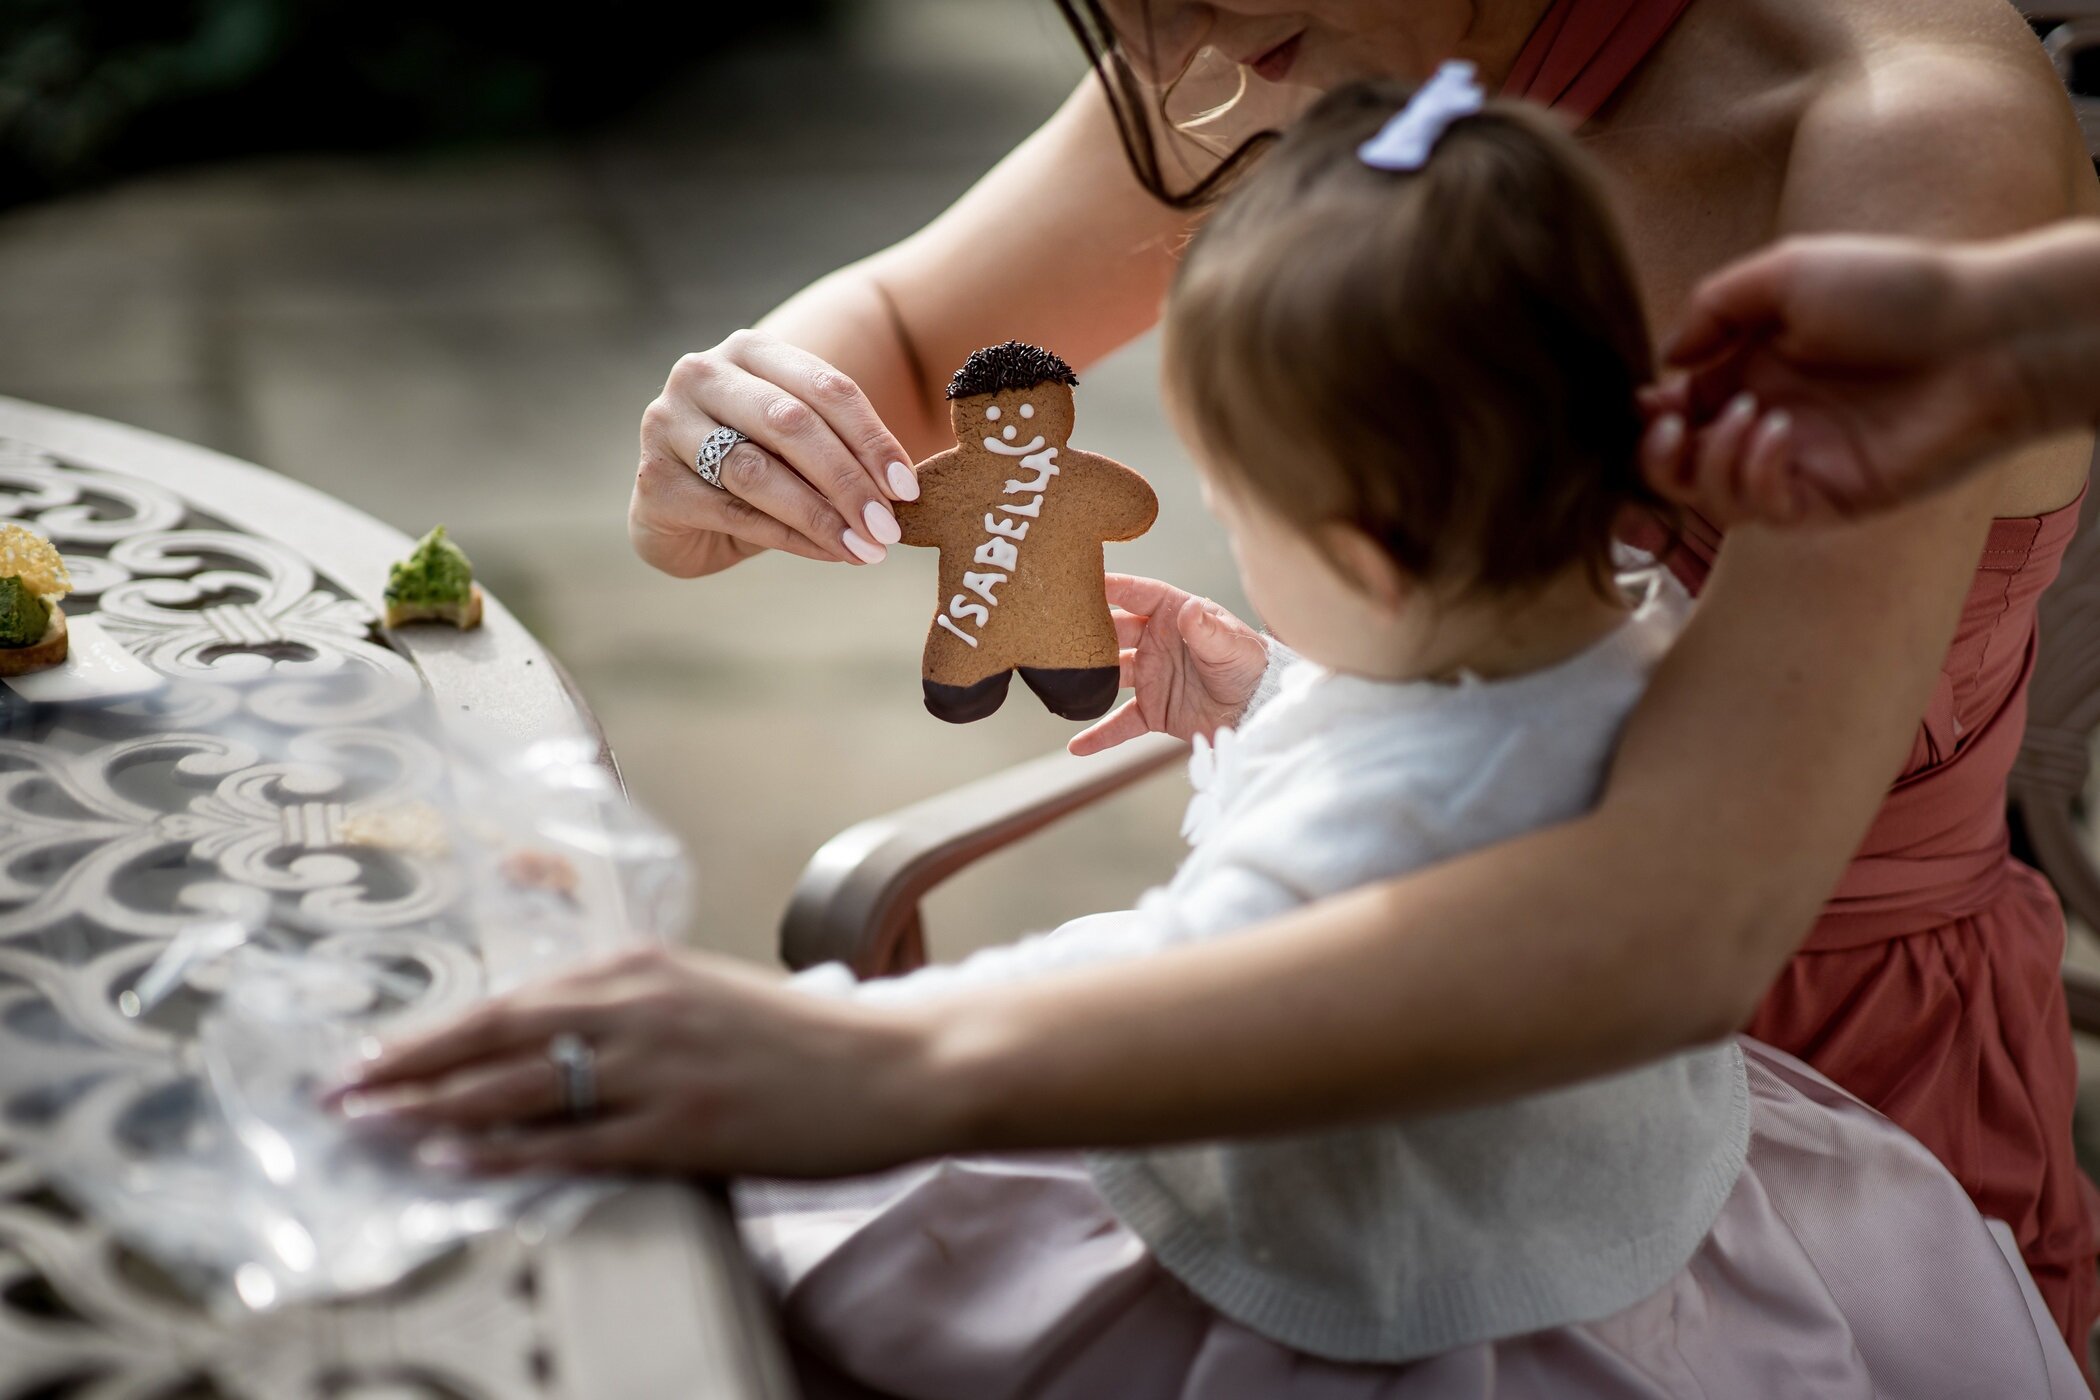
{"x": 221, "y": 1161}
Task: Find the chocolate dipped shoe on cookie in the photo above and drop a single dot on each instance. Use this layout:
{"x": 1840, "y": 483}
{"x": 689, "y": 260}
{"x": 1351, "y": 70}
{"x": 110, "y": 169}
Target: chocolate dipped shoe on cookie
{"x": 1019, "y": 518}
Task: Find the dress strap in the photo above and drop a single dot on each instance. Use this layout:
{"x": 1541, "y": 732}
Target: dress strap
{"x": 1583, "y": 51}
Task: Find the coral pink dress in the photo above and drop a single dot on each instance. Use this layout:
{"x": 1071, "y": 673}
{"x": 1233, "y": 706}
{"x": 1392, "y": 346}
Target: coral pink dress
{"x": 1931, "y": 985}
{"x": 1930, "y": 988}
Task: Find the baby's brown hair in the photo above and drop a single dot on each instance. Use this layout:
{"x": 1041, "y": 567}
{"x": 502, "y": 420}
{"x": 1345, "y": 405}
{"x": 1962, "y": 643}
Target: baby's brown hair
{"x": 1446, "y": 359}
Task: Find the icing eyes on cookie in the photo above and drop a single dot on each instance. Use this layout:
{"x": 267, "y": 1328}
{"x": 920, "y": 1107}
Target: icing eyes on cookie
{"x": 992, "y": 413}
{"x": 1028, "y": 410}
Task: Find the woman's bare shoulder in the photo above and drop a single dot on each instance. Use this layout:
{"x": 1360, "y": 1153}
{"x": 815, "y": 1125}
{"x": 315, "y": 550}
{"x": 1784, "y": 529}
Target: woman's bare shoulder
{"x": 1953, "y": 93}
{"x": 1944, "y": 119}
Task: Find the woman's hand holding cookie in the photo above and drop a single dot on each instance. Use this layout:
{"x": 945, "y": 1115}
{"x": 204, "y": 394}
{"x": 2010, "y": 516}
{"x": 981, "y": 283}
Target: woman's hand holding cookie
{"x": 1193, "y": 665}
{"x": 816, "y": 477}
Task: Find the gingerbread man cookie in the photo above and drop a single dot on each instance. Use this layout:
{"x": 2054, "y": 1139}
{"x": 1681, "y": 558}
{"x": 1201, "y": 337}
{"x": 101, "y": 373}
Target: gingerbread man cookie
{"x": 1019, "y": 518}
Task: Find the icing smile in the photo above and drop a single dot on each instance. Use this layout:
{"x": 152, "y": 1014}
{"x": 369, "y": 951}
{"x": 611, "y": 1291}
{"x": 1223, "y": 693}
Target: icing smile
{"x": 1010, "y": 450}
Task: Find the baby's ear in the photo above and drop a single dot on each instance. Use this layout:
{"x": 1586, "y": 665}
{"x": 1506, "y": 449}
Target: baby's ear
{"x": 1364, "y": 565}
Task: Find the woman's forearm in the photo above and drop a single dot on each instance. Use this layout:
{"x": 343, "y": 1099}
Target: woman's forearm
{"x": 1081, "y": 276}
{"x": 1447, "y": 989}
{"x": 1744, "y": 784}
{"x": 2038, "y": 295}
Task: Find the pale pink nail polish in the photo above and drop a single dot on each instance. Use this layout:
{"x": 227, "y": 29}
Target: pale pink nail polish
{"x": 881, "y": 524}
{"x": 862, "y": 550}
{"x": 903, "y": 482}
{"x": 443, "y": 1154}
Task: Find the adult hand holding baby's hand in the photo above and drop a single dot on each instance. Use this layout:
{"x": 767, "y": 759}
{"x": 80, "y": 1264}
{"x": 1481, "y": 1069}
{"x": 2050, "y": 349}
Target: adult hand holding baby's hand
{"x": 1193, "y": 664}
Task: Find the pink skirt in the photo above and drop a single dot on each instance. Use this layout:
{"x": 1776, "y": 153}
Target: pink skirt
{"x": 1846, "y": 1263}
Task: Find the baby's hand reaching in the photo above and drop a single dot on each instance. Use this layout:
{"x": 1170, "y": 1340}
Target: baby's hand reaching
{"x": 1193, "y": 664}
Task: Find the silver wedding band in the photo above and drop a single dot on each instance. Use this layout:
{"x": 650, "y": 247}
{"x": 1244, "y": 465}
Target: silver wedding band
{"x": 708, "y": 461}
{"x": 576, "y": 1066}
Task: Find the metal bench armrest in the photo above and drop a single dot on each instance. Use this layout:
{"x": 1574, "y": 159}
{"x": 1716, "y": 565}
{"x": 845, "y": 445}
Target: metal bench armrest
{"x": 857, "y": 900}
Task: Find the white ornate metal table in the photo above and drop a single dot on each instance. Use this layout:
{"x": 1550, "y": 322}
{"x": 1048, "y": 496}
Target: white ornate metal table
{"x": 116, "y": 820}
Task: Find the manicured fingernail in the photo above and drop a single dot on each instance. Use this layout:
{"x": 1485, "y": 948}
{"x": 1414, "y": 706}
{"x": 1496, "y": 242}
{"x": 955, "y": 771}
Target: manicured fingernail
{"x": 862, "y": 550}
{"x": 1778, "y": 423}
{"x": 881, "y": 524}
{"x": 444, "y": 1153}
{"x": 356, "y": 1105}
{"x": 1669, "y": 435}
{"x": 903, "y": 482}
{"x": 1741, "y": 406}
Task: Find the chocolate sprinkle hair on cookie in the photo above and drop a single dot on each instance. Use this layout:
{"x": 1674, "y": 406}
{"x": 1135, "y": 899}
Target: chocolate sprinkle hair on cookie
{"x": 1013, "y": 365}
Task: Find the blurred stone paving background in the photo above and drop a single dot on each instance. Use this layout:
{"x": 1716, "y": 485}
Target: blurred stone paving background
{"x": 471, "y": 339}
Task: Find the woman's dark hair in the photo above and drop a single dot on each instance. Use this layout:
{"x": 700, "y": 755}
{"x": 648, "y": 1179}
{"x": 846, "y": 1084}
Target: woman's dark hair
{"x": 1131, "y": 102}
{"x": 1445, "y": 360}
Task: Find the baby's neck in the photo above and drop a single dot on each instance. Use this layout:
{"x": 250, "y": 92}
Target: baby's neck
{"x": 1499, "y": 637}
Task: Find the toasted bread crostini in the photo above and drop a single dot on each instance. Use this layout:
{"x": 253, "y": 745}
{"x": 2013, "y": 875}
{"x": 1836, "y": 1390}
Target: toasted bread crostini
{"x": 460, "y": 614}
{"x": 33, "y": 579}
{"x": 435, "y": 583}
{"x": 40, "y": 655}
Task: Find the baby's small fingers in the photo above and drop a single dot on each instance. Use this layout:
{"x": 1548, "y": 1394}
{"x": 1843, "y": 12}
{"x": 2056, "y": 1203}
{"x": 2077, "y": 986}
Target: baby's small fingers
{"x": 1121, "y": 725}
{"x": 1138, "y": 594}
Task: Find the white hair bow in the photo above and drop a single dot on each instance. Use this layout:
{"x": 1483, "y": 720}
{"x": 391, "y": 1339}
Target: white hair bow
{"x": 1404, "y": 143}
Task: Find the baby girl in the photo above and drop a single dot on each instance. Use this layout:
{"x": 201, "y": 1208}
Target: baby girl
{"x": 1405, "y": 354}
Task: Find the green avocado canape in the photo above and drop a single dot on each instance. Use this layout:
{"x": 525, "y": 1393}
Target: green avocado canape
{"x": 435, "y": 583}
{"x": 24, "y": 617}
{"x": 33, "y": 579}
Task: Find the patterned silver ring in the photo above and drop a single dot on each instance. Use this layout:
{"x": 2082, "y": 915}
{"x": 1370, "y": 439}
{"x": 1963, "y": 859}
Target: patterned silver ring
{"x": 576, "y": 1064}
{"x": 717, "y": 446}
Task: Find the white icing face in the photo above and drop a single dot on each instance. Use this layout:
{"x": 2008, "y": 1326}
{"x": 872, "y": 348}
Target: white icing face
{"x": 1008, "y": 432}
{"x": 1028, "y": 410}
{"x": 992, "y": 412}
